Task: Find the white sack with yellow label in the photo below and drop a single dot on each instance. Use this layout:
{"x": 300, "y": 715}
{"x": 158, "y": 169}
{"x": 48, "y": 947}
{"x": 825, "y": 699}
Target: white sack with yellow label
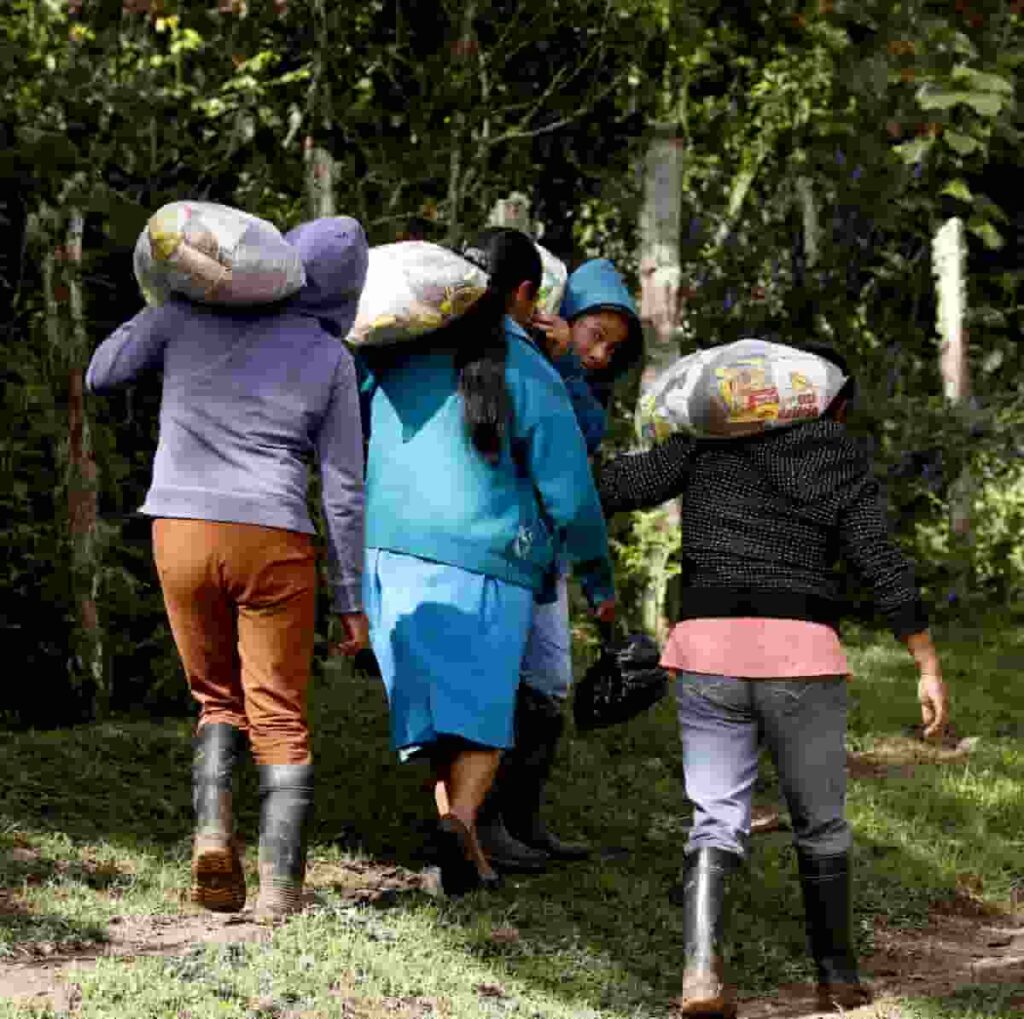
{"x": 737, "y": 389}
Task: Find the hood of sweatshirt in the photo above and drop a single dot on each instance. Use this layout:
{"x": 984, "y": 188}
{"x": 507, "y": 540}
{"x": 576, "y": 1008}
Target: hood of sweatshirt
{"x": 334, "y": 253}
{"x": 597, "y": 285}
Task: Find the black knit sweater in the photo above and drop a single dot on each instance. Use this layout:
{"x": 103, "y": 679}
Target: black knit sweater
{"x": 765, "y": 521}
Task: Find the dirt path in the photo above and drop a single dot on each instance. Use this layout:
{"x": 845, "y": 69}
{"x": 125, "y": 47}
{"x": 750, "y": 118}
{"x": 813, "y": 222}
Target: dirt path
{"x": 39, "y": 974}
{"x": 954, "y": 951}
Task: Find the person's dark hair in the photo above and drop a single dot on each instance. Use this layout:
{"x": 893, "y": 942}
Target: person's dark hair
{"x": 510, "y": 258}
{"x": 849, "y": 388}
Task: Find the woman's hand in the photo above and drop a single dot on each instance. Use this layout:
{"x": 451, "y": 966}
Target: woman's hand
{"x": 931, "y": 689}
{"x": 556, "y": 332}
{"x": 934, "y": 698}
{"x": 355, "y": 630}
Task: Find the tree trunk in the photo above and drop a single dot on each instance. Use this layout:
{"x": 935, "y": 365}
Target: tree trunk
{"x": 660, "y": 283}
{"x": 512, "y": 213}
{"x": 461, "y": 51}
{"x": 67, "y": 341}
{"x": 949, "y": 256}
{"x": 319, "y": 180}
{"x": 82, "y": 476}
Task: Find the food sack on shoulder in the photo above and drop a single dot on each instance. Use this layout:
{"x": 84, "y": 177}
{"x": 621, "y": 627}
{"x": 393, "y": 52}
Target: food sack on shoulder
{"x": 554, "y": 277}
{"x": 413, "y": 288}
{"x": 214, "y": 254}
{"x": 738, "y": 389}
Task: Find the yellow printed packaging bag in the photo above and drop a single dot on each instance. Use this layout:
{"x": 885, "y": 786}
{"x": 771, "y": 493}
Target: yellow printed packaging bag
{"x": 413, "y": 288}
{"x": 737, "y": 389}
{"x": 215, "y": 254}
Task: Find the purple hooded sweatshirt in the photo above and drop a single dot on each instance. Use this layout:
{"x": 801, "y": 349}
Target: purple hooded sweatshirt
{"x": 249, "y": 397}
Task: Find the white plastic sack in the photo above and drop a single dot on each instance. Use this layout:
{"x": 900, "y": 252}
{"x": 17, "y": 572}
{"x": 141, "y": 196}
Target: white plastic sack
{"x": 738, "y": 389}
{"x": 553, "y": 280}
{"x": 413, "y": 288}
{"x": 216, "y": 255}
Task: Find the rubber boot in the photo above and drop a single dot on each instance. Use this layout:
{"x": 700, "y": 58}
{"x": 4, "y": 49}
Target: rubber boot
{"x": 286, "y": 809}
{"x": 706, "y": 874}
{"x": 538, "y": 729}
{"x": 218, "y": 882}
{"x": 505, "y": 852}
{"x": 825, "y": 881}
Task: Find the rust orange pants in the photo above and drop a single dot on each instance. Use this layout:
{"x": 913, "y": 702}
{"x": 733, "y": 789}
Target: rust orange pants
{"x": 241, "y": 602}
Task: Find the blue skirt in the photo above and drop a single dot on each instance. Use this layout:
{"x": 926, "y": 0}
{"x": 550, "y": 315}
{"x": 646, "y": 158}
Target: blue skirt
{"x": 449, "y": 644}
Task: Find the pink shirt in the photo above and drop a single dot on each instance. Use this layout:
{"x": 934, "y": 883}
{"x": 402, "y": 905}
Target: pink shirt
{"x": 755, "y": 648}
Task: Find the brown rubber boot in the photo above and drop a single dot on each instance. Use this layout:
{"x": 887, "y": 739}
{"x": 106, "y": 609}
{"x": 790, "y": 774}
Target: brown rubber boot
{"x": 705, "y": 992}
{"x": 218, "y": 882}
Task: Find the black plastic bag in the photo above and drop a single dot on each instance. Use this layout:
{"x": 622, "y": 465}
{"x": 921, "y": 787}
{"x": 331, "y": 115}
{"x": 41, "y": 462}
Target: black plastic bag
{"x": 625, "y": 681}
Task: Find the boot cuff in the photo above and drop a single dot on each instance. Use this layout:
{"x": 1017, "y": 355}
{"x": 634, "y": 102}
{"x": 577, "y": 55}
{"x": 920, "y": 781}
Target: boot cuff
{"x": 285, "y": 776}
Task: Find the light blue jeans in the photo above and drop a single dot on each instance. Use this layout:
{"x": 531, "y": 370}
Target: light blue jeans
{"x": 547, "y": 660}
{"x": 803, "y": 723}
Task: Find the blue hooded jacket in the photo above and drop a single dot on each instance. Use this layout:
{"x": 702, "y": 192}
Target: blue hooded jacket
{"x": 249, "y": 395}
{"x": 594, "y": 286}
{"x": 431, "y": 494}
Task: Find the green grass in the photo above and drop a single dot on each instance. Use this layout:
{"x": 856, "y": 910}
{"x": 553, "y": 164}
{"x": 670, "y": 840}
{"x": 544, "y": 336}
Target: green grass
{"x": 969, "y": 1003}
{"x": 94, "y": 824}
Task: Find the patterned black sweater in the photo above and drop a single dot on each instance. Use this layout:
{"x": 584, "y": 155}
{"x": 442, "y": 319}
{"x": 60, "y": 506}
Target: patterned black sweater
{"x": 765, "y": 521}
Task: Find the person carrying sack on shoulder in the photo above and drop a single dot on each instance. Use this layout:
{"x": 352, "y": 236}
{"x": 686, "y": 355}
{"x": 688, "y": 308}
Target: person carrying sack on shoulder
{"x": 758, "y": 650}
{"x": 594, "y": 341}
{"x": 476, "y": 477}
{"x": 248, "y": 397}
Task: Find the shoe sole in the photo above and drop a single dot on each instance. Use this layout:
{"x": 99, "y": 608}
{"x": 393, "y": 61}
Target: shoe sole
{"x": 708, "y": 1010}
{"x": 218, "y": 881}
{"x": 712, "y": 1006}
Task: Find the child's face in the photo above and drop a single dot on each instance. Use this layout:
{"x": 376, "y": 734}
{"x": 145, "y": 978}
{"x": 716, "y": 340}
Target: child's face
{"x": 597, "y": 335}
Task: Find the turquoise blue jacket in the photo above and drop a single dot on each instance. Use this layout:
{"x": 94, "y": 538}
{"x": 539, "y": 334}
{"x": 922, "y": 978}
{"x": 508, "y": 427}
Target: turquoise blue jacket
{"x": 429, "y": 493}
{"x": 594, "y": 285}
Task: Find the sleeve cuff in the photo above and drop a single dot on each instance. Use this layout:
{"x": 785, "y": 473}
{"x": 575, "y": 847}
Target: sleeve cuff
{"x": 911, "y": 617}
{"x": 348, "y": 598}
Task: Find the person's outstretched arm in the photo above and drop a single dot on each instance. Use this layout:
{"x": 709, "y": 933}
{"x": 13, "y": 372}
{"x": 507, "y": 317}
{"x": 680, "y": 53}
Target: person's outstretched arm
{"x": 645, "y": 480}
{"x": 132, "y": 349}
{"x": 868, "y": 546}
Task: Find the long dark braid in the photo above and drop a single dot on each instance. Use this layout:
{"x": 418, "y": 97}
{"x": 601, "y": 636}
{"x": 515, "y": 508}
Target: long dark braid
{"x": 510, "y": 258}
